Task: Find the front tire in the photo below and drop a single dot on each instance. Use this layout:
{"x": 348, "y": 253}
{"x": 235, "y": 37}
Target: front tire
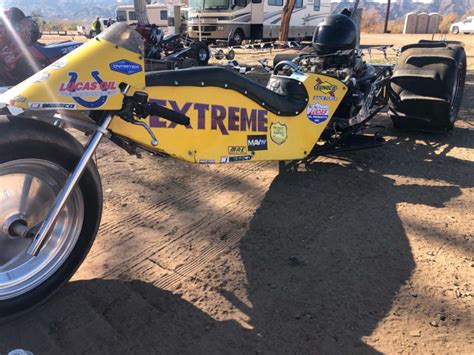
{"x": 238, "y": 37}
{"x": 35, "y": 162}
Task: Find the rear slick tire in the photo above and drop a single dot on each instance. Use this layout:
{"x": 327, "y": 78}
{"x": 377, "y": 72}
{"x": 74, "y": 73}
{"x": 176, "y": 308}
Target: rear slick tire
{"x": 35, "y": 162}
{"x": 426, "y": 88}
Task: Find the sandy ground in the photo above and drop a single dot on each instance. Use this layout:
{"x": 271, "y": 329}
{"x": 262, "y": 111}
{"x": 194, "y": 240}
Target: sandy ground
{"x": 364, "y": 252}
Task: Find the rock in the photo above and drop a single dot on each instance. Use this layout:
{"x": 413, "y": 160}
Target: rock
{"x": 434, "y": 323}
{"x": 108, "y": 191}
{"x": 415, "y": 333}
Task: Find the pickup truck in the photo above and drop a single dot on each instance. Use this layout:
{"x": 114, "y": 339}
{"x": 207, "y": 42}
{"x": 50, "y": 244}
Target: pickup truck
{"x": 466, "y": 26}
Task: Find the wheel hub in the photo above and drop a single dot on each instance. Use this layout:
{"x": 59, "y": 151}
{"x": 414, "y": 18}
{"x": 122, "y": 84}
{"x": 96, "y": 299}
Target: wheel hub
{"x": 28, "y": 188}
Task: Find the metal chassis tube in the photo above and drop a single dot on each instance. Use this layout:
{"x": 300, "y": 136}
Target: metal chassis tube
{"x": 48, "y": 224}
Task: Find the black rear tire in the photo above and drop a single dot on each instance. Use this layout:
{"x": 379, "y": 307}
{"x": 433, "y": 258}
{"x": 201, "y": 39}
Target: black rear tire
{"x": 427, "y": 87}
{"x": 200, "y": 52}
{"x": 455, "y": 30}
{"x": 24, "y": 138}
{"x": 189, "y": 63}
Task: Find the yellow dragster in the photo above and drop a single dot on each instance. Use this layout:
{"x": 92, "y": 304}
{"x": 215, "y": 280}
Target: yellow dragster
{"x": 314, "y": 103}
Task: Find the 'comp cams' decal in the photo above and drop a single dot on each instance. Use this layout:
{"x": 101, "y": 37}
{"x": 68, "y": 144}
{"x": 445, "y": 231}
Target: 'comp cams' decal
{"x": 125, "y": 67}
{"x": 100, "y": 89}
{"x": 317, "y": 113}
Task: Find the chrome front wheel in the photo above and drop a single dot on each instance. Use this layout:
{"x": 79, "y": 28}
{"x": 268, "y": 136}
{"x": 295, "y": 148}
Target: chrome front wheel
{"x": 28, "y": 188}
{"x": 36, "y": 159}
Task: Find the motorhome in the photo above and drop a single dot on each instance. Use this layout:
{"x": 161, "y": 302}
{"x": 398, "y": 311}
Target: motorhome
{"x": 237, "y": 20}
{"x": 157, "y": 14}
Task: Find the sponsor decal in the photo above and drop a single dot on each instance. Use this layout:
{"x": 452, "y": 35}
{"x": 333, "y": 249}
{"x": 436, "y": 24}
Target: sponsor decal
{"x": 237, "y": 150}
{"x": 125, "y": 67}
{"x": 19, "y": 98}
{"x": 98, "y": 88}
{"x": 51, "y": 105}
{"x": 278, "y": 132}
{"x": 207, "y": 161}
{"x": 257, "y": 142}
{"x": 324, "y": 98}
{"x": 215, "y": 117}
{"x": 325, "y": 87}
{"x": 59, "y": 64}
{"x": 240, "y": 158}
{"x": 41, "y": 76}
{"x": 236, "y": 159}
{"x": 317, "y": 113}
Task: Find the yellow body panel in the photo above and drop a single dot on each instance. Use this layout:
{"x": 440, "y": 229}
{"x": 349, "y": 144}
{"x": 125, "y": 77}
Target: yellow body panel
{"x": 88, "y": 78}
{"x": 226, "y": 124}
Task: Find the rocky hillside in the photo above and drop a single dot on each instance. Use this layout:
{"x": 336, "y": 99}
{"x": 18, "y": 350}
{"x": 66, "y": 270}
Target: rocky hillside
{"x": 68, "y": 9}
{"x": 401, "y": 7}
{"x": 88, "y": 9}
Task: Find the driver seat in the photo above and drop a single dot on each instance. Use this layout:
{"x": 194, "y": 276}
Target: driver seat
{"x": 284, "y": 96}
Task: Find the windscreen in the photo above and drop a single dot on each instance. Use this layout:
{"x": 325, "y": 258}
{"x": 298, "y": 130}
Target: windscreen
{"x": 124, "y": 36}
{"x": 209, "y": 4}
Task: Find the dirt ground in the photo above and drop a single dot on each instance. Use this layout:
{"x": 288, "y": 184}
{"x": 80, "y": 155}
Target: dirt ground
{"x": 364, "y": 252}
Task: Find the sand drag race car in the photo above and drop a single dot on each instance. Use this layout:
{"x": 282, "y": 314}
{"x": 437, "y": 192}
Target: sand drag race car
{"x": 314, "y": 103}
{"x": 21, "y": 54}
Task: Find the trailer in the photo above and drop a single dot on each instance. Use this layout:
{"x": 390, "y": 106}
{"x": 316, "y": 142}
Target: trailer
{"x": 238, "y": 20}
{"x": 157, "y": 14}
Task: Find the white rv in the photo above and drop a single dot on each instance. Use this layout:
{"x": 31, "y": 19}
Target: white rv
{"x": 252, "y": 19}
{"x": 157, "y": 14}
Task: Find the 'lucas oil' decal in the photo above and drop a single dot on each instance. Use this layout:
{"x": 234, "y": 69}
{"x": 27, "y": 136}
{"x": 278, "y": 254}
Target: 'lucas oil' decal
{"x": 317, "y": 113}
{"x": 78, "y": 90}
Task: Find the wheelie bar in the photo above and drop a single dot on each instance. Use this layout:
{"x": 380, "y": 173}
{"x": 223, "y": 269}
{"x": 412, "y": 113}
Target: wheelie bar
{"x": 43, "y": 233}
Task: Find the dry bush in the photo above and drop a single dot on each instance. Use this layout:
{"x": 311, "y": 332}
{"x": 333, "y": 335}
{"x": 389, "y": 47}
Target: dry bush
{"x": 468, "y": 13}
{"x": 63, "y": 25}
{"x": 396, "y": 26}
{"x": 370, "y": 21}
{"x": 53, "y": 26}
{"x": 446, "y": 22}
